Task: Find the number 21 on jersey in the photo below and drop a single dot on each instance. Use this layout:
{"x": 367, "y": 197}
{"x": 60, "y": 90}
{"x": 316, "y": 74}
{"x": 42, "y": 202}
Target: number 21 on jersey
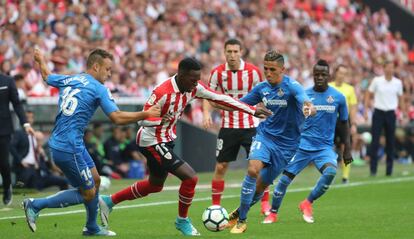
{"x": 69, "y": 102}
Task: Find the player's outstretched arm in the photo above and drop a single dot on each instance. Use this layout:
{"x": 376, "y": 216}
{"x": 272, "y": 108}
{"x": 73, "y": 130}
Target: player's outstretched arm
{"x": 207, "y": 122}
{"x": 40, "y": 59}
{"x": 123, "y": 117}
{"x": 260, "y": 112}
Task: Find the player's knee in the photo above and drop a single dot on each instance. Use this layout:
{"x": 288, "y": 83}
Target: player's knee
{"x": 88, "y": 195}
{"x": 97, "y": 182}
{"x": 329, "y": 171}
{"x": 221, "y": 168}
{"x": 253, "y": 170}
{"x": 285, "y": 180}
{"x": 156, "y": 188}
{"x": 191, "y": 182}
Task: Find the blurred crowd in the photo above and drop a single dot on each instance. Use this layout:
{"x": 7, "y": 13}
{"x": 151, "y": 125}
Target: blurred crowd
{"x": 148, "y": 38}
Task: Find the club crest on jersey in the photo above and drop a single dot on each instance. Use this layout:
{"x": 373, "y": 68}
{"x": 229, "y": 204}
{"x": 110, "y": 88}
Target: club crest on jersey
{"x": 280, "y": 92}
{"x": 152, "y": 99}
{"x": 330, "y": 99}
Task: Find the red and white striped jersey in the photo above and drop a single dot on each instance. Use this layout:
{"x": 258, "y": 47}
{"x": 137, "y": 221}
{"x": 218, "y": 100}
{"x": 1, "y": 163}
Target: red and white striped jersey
{"x": 235, "y": 84}
{"x": 172, "y": 103}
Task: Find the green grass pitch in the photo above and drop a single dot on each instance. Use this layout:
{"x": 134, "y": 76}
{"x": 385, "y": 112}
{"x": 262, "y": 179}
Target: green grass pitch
{"x": 368, "y": 207}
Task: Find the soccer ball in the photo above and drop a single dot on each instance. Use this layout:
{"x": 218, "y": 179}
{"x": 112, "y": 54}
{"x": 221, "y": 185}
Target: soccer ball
{"x": 215, "y": 218}
{"x": 105, "y": 183}
{"x": 366, "y": 137}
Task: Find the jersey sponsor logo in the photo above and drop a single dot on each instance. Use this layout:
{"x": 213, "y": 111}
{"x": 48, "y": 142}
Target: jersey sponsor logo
{"x": 282, "y": 103}
{"x": 327, "y": 108}
{"x": 236, "y": 92}
{"x": 330, "y": 99}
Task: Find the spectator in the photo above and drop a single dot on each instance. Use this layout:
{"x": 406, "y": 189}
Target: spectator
{"x": 130, "y": 153}
{"x": 96, "y": 139}
{"x": 388, "y": 93}
{"x": 113, "y": 152}
{"x": 151, "y": 36}
{"x": 33, "y": 168}
{"x": 20, "y": 85}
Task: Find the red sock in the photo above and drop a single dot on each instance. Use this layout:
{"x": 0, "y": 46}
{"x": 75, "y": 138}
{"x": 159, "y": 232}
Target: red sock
{"x": 186, "y": 194}
{"x": 217, "y": 188}
{"x": 137, "y": 190}
{"x": 265, "y": 197}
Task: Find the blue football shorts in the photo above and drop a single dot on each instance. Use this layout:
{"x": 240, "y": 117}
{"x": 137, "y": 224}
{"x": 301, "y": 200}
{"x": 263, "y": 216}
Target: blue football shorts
{"x": 274, "y": 156}
{"x": 76, "y": 167}
{"x": 303, "y": 158}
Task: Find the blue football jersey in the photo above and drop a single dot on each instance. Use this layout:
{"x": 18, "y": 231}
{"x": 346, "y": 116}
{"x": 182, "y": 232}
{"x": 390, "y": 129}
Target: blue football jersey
{"x": 79, "y": 97}
{"x": 319, "y": 130}
{"x": 285, "y": 100}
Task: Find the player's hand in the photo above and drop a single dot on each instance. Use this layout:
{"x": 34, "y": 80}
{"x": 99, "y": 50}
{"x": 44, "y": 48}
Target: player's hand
{"x": 38, "y": 56}
{"x": 207, "y": 122}
{"x": 29, "y": 130}
{"x": 261, "y": 112}
{"x": 308, "y": 109}
{"x": 154, "y": 111}
{"x": 347, "y": 157}
{"x": 167, "y": 118}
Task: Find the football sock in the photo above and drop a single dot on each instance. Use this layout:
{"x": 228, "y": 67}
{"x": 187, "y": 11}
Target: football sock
{"x": 91, "y": 213}
{"x": 185, "y": 196}
{"x": 61, "y": 199}
{"x": 256, "y": 197}
{"x": 280, "y": 192}
{"x": 217, "y": 188}
{"x": 265, "y": 197}
{"x": 246, "y": 197}
{"x": 345, "y": 170}
{"x": 323, "y": 184}
{"x": 137, "y": 190}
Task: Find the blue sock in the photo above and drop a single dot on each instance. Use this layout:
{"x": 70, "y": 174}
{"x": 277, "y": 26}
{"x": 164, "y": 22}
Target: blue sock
{"x": 246, "y": 197}
{"x": 257, "y": 197}
{"x": 91, "y": 213}
{"x": 323, "y": 184}
{"x": 279, "y": 192}
{"x": 61, "y": 199}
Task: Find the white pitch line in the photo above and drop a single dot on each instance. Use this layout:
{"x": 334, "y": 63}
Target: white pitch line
{"x": 205, "y": 186}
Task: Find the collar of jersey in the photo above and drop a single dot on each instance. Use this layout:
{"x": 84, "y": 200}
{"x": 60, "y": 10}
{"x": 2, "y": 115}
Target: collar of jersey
{"x": 174, "y": 84}
{"x": 241, "y": 67}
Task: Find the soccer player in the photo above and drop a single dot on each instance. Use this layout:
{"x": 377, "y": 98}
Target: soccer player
{"x": 234, "y": 78}
{"x": 156, "y": 141}
{"x": 316, "y": 143}
{"x": 79, "y": 97}
{"x": 277, "y": 137}
{"x": 340, "y": 74}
